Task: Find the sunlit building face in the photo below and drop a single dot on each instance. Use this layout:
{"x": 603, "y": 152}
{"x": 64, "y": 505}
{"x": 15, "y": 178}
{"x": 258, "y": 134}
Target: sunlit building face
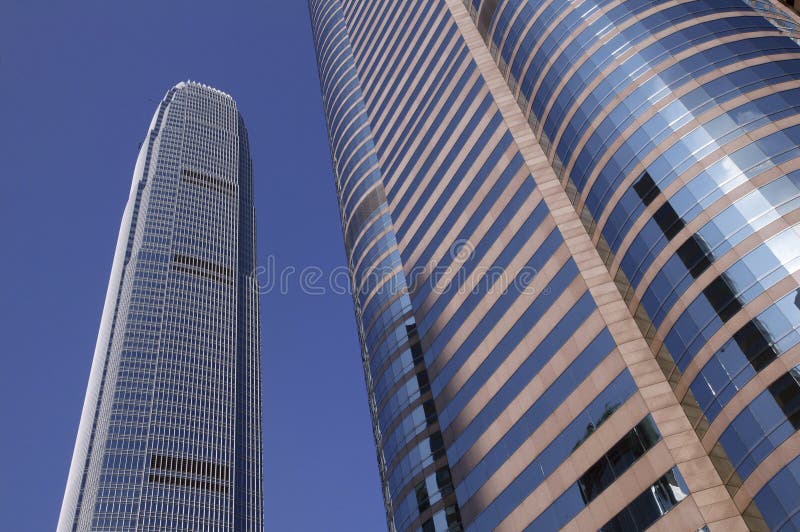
{"x": 572, "y": 233}
{"x": 170, "y": 435}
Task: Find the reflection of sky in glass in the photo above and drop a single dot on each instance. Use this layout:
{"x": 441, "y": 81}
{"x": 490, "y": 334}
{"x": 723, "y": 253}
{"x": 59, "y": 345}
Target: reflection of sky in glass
{"x": 677, "y": 492}
{"x": 781, "y": 319}
{"x": 766, "y": 265}
{"x": 786, "y": 246}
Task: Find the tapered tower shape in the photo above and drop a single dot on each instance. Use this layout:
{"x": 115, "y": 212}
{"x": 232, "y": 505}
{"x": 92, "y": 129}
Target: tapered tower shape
{"x": 170, "y": 434}
{"x": 573, "y": 233}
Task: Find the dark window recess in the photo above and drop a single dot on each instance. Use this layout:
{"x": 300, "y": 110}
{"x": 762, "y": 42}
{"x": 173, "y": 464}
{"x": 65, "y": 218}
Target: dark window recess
{"x": 754, "y": 342}
{"x": 485, "y": 16}
{"x": 188, "y": 465}
{"x": 423, "y": 497}
{"x": 437, "y": 445}
{"x": 214, "y": 183}
{"x": 600, "y": 476}
{"x": 668, "y": 221}
{"x": 430, "y": 411}
{"x": 187, "y": 482}
{"x": 203, "y": 268}
{"x": 414, "y": 343}
{"x": 436, "y": 442}
{"x": 648, "y": 507}
{"x": 618, "y": 459}
{"x": 786, "y": 392}
{"x": 184, "y": 472}
{"x": 646, "y": 188}
{"x": 695, "y": 256}
{"x": 722, "y": 298}
{"x": 443, "y": 483}
{"x": 423, "y": 383}
{"x": 453, "y": 519}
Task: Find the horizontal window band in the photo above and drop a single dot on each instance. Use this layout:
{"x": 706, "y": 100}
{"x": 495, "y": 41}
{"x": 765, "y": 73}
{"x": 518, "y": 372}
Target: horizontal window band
{"x": 196, "y": 263}
{"x": 188, "y": 465}
{"x": 207, "y": 181}
{"x": 187, "y": 482}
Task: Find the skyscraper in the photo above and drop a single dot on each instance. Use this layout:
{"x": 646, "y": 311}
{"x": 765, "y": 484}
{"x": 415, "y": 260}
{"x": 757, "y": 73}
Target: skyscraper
{"x": 573, "y": 233}
{"x": 793, "y": 4}
{"x": 779, "y": 15}
{"x": 170, "y": 434}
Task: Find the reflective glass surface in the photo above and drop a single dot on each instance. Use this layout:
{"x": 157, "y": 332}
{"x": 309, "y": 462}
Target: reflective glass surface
{"x": 415, "y": 476}
{"x": 675, "y": 129}
{"x": 781, "y": 511}
{"x": 670, "y": 125}
{"x": 179, "y": 341}
{"x": 611, "y": 466}
{"x": 648, "y": 507}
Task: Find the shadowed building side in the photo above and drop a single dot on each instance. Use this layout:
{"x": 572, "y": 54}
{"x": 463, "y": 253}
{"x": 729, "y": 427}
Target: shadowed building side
{"x": 395, "y": 371}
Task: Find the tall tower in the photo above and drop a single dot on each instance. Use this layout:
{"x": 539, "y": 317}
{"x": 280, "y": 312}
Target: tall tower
{"x": 170, "y": 434}
{"x": 573, "y": 233}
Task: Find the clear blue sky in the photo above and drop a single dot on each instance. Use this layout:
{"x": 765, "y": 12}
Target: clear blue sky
{"x": 79, "y": 82}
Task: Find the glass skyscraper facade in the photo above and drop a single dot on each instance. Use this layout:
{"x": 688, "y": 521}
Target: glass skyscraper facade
{"x": 170, "y": 434}
{"x": 779, "y": 16}
{"x": 573, "y": 233}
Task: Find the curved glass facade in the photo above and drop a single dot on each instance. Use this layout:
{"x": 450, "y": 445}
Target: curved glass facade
{"x": 675, "y": 130}
{"x": 779, "y": 16}
{"x": 170, "y": 435}
{"x": 587, "y": 214}
{"x": 411, "y": 458}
